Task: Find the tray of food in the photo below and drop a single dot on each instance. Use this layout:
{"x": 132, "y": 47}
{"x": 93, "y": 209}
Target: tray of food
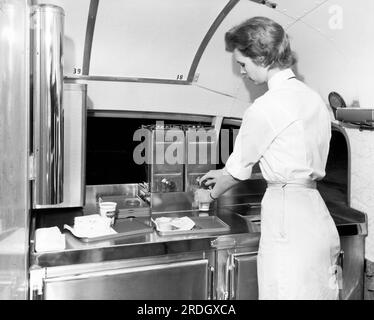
{"x": 96, "y": 228}
{"x": 166, "y": 226}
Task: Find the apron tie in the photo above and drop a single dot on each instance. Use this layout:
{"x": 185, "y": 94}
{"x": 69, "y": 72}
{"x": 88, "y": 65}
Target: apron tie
{"x": 297, "y": 183}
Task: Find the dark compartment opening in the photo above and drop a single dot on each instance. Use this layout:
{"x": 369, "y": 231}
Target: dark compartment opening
{"x": 110, "y": 148}
{"x": 334, "y": 186}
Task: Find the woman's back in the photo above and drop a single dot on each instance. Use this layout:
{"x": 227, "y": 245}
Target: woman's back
{"x": 301, "y": 129}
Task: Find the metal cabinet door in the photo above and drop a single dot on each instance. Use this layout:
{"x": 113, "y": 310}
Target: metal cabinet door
{"x": 172, "y": 281}
{"x": 245, "y": 286}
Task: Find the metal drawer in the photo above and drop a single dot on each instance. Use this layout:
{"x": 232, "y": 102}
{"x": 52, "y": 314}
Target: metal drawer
{"x": 172, "y": 281}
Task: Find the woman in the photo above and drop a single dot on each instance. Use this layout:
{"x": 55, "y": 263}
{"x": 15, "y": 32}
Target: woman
{"x": 288, "y": 131}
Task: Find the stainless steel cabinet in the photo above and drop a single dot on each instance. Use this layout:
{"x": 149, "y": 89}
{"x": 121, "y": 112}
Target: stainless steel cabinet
{"x": 353, "y": 248}
{"x": 244, "y": 277}
{"x": 162, "y": 279}
{"x": 240, "y": 280}
{"x": 236, "y": 268}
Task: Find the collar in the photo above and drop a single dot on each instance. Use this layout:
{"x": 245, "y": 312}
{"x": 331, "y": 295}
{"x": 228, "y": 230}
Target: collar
{"x": 281, "y": 76}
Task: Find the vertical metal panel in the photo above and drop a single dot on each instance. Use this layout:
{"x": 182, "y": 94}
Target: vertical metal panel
{"x": 246, "y": 286}
{"x": 75, "y": 97}
{"x": 14, "y": 119}
{"x": 340, "y": 129}
{"x": 47, "y": 60}
{"x": 201, "y": 154}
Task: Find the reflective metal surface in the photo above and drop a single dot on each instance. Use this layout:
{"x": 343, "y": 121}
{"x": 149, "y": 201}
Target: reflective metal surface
{"x": 14, "y": 146}
{"x": 353, "y": 267}
{"x": 172, "y": 276}
{"x": 74, "y": 146}
{"x": 236, "y": 276}
{"x": 201, "y": 154}
{"x": 234, "y": 251}
{"x": 47, "y": 89}
{"x": 165, "y": 169}
{"x": 244, "y": 280}
{"x": 149, "y": 115}
{"x": 94, "y": 192}
{"x": 128, "y": 79}
{"x": 175, "y": 280}
{"x": 92, "y": 12}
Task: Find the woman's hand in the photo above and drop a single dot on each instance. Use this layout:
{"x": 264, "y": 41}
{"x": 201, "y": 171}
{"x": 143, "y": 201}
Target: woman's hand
{"x": 210, "y": 179}
{"x": 220, "y": 179}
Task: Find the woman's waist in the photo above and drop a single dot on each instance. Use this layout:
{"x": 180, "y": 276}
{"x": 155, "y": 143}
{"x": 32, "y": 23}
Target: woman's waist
{"x": 294, "y": 183}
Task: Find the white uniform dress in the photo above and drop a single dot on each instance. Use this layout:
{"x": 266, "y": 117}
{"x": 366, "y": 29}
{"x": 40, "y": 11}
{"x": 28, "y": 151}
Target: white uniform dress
{"x": 288, "y": 131}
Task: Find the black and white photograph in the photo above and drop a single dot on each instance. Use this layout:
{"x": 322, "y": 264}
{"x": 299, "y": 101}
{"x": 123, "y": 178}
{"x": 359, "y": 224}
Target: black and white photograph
{"x": 185, "y": 155}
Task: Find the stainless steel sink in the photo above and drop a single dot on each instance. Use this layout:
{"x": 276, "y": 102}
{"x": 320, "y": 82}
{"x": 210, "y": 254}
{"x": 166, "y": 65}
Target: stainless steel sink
{"x": 253, "y": 222}
{"x": 247, "y": 209}
{"x": 251, "y": 214}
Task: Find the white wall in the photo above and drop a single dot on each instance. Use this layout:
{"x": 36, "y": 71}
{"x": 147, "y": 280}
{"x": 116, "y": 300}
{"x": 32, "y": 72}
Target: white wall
{"x": 335, "y": 44}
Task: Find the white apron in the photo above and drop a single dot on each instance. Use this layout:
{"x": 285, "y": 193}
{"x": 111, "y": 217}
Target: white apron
{"x": 299, "y": 244}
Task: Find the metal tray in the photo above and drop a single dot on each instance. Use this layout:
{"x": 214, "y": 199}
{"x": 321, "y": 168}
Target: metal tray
{"x": 207, "y": 225}
{"x": 123, "y": 227}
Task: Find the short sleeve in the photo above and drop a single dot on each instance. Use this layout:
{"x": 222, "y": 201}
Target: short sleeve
{"x": 255, "y": 136}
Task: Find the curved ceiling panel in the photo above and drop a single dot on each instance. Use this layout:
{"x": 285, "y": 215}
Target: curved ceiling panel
{"x": 150, "y": 39}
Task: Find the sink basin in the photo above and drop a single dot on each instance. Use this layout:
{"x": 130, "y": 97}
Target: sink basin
{"x": 253, "y": 222}
{"x": 248, "y": 209}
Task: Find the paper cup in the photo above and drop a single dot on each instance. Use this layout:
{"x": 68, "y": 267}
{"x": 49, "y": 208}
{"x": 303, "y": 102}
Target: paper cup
{"x": 107, "y": 209}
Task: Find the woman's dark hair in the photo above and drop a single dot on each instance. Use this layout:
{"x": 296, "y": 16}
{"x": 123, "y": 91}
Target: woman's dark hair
{"x": 264, "y": 41}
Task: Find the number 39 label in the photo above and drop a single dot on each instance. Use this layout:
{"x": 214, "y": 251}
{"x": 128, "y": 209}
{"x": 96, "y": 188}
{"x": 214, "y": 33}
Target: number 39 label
{"x": 77, "y": 71}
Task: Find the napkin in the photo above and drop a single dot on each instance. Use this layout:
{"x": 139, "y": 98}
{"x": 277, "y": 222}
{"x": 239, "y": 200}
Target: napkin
{"x": 184, "y": 223}
{"x": 91, "y": 226}
{"x": 49, "y": 239}
{"x": 175, "y": 224}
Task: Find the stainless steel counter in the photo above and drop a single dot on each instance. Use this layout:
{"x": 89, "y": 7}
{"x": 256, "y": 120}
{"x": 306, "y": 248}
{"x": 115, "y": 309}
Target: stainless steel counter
{"x": 237, "y": 213}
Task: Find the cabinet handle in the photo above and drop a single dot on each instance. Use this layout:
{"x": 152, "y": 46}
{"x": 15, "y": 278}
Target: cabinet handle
{"x": 228, "y": 268}
{"x": 211, "y": 272}
{"x": 341, "y": 258}
{"x": 232, "y": 282}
